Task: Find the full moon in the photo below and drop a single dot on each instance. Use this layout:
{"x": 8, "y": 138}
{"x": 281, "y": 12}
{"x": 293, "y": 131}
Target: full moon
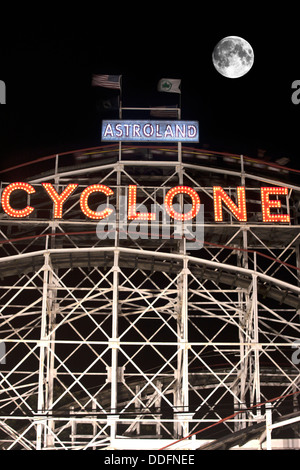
{"x": 233, "y": 57}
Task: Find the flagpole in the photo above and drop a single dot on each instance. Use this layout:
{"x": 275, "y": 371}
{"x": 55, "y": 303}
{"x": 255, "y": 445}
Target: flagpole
{"x": 120, "y": 116}
{"x": 179, "y": 143}
{"x": 166, "y": 85}
{"x": 121, "y": 97}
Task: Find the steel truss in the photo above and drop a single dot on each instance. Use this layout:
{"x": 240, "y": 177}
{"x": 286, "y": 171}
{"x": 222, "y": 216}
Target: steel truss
{"x": 134, "y": 342}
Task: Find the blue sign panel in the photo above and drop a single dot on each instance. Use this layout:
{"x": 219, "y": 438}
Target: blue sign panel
{"x": 150, "y": 131}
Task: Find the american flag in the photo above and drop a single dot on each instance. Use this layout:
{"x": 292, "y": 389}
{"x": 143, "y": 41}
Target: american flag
{"x": 107, "y": 81}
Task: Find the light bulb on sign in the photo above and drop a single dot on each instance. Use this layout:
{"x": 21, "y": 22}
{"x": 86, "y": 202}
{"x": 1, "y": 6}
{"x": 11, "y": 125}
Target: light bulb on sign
{"x": 132, "y": 213}
{"x": 5, "y": 199}
{"x": 267, "y": 204}
{"x": 239, "y": 211}
{"x": 59, "y": 199}
{"x": 84, "y": 201}
{"x": 182, "y": 190}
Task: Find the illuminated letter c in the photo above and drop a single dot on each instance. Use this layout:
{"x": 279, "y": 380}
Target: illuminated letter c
{"x": 101, "y": 188}
{"x": 5, "y": 199}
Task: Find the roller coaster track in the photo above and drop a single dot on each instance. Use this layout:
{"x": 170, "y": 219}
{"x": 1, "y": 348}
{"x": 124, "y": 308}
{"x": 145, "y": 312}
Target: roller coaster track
{"x": 228, "y": 275}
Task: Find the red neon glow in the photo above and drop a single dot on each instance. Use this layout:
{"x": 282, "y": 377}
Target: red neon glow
{"x": 132, "y": 214}
{"x": 267, "y": 204}
{"x": 239, "y": 211}
{"x": 59, "y": 199}
{"x": 182, "y": 190}
{"x": 100, "y": 188}
{"x": 5, "y": 199}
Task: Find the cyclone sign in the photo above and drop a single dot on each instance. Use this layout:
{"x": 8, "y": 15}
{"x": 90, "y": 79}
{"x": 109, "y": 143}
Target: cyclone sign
{"x": 269, "y": 202}
{"x": 149, "y": 131}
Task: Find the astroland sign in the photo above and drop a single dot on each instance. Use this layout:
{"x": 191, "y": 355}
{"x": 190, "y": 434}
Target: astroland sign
{"x": 150, "y": 131}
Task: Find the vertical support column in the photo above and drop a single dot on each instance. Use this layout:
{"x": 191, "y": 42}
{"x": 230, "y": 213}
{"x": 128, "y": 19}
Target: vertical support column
{"x": 51, "y": 373}
{"x": 114, "y": 338}
{"x": 268, "y": 426}
{"x": 178, "y": 372}
{"x": 73, "y": 427}
{"x": 43, "y": 338}
{"x": 52, "y": 309}
{"x": 137, "y": 408}
{"x": 114, "y": 346}
{"x": 297, "y": 249}
{"x": 118, "y": 206}
{"x": 244, "y": 307}
{"x": 185, "y": 365}
{"x": 295, "y": 398}
{"x": 181, "y": 394}
{"x": 94, "y": 423}
{"x": 182, "y": 382}
{"x": 157, "y": 406}
{"x": 256, "y": 379}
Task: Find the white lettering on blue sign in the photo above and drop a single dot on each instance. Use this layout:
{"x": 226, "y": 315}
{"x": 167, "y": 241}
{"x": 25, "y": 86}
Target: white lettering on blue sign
{"x": 150, "y": 131}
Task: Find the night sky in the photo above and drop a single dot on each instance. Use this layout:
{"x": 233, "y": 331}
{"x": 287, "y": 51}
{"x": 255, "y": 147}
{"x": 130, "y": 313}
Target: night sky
{"x": 51, "y": 106}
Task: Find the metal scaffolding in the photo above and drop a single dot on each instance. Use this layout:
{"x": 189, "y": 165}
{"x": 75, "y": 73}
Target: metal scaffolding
{"x": 115, "y": 339}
